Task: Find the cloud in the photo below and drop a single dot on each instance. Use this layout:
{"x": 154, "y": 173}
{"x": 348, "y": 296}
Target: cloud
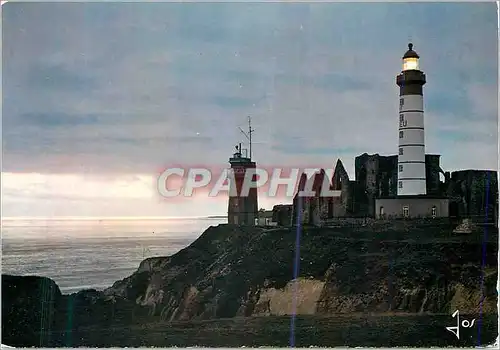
{"x": 48, "y": 120}
{"x": 128, "y": 88}
{"x": 72, "y": 195}
{"x": 57, "y": 77}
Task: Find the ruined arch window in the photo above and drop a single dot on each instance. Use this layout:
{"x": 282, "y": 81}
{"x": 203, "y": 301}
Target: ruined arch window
{"x": 434, "y": 211}
{"x": 401, "y": 151}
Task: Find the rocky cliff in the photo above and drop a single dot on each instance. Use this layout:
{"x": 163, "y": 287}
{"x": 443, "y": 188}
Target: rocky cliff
{"x": 233, "y": 271}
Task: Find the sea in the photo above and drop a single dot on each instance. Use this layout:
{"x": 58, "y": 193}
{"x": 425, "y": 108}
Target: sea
{"x": 92, "y": 253}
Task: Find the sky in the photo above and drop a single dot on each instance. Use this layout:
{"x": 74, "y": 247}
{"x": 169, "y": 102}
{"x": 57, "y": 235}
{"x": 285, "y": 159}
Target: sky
{"x": 99, "y": 98}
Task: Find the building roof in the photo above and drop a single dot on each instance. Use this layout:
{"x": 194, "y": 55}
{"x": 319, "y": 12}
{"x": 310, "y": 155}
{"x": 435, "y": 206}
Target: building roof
{"x": 266, "y": 214}
{"x": 282, "y": 206}
{"x": 418, "y": 196}
{"x": 475, "y": 171}
{"x": 410, "y": 53}
{"x": 392, "y": 155}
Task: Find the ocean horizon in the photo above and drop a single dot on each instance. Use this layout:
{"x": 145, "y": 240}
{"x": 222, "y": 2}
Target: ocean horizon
{"x": 83, "y": 253}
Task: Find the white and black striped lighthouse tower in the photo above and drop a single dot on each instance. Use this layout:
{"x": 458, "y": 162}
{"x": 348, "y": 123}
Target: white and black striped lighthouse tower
{"x": 411, "y": 156}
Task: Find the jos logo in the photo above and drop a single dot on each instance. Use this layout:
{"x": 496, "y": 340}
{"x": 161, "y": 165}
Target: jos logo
{"x": 465, "y": 323}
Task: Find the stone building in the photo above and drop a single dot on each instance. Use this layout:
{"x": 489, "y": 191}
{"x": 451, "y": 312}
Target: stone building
{"x": 462, "y": 194}
{"x": 282, "y": 214}
{"x": 311, "y": 210}
{"x": 343, "y": 205}
{"x": 315, "y": 210}
{"x": 473, "y": 194}
{"x": 377, "y": 177}
{"x": 265, "y": 218}
{"x": 411, "y": 206}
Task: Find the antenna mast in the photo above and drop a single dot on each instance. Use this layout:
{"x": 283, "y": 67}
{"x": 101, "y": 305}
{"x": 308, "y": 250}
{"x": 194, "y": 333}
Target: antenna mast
{"x": 250, "y": 131}
{"x": 249, "y": 136}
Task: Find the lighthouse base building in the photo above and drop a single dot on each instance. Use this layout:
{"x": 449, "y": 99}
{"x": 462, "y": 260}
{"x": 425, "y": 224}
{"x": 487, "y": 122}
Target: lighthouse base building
{"x": 417, "y": 206}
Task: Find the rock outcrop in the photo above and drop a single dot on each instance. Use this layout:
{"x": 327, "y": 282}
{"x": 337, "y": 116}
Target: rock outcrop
{"x": 35, "y": 313}
{"x": 299, "y": 296}
{"x": 29, "y": 304}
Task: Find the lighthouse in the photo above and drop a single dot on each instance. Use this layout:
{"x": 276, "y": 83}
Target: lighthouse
{"x": 411, "y": 151}
{"x": 415, "y": 196}
{"x": 242, "y": 208}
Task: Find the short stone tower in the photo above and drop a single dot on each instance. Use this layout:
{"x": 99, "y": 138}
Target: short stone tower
{"x": 242, "y": 208}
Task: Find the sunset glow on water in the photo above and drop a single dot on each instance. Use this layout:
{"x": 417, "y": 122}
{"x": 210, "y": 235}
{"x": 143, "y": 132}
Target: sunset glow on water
{"x": 90, "y": 253}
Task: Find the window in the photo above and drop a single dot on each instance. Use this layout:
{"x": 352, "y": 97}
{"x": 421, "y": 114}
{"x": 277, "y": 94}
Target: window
{"x": 381, "y": 211}
{"x": 402, "y": 121}
{"x": 434, "y": 211}
{"x": 401, "y": 134}
{"x": 400, "y": 184}
{"x": 406, "y": 211}
{"x": 401, "y": 102}
{"x": 410, "y": 63}
{"x": 401, "y": 151}
{"x": 400, "y": 167}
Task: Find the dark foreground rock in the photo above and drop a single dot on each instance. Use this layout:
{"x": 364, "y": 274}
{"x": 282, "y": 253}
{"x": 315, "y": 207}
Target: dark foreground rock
{"x": 26, "y": 302}
{"x": 357, "y": 286}
{"x": 33, "y": 308}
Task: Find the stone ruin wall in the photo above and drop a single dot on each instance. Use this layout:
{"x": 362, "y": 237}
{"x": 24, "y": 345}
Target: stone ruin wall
{"x": 377, "y": 176}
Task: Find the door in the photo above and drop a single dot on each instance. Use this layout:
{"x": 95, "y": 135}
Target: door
{"x": 406, "y": 211}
